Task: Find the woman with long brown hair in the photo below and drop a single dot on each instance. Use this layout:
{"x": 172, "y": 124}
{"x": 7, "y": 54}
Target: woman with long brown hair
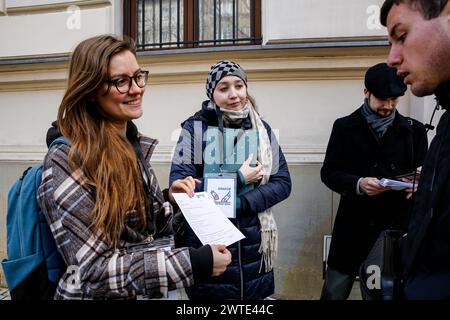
{"x": 100, "y": 194}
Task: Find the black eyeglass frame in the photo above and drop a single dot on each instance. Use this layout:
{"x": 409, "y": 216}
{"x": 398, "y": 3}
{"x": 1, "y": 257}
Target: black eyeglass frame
{"x": 130, "y": 79}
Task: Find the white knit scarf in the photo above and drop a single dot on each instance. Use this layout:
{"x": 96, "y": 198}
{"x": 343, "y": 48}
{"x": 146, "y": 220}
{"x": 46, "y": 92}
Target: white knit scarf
{"x": 235, "y": 116}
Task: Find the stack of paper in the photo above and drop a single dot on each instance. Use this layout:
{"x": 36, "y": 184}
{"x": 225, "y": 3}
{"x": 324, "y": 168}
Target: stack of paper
{"x": 395, "y": 184}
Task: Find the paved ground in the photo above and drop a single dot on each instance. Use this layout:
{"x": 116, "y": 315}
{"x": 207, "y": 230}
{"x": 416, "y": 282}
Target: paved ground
{"x": 4, "y": 294}
{"x": 181, "y": 295}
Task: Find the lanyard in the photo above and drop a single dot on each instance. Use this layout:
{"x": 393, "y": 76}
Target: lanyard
{"x": 222, "y": 136}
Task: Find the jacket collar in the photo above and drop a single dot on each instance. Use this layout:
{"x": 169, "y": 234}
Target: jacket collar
{"x": 206, "y": 114}
{"x": 443, "y": 95}
{"x": 147, "y": 144}
{"x": 357, "y": 119}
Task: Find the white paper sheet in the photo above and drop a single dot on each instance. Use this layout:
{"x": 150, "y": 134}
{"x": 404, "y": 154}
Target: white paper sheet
{"x": 395, "y": 184}
{"x": 207, "y": 220}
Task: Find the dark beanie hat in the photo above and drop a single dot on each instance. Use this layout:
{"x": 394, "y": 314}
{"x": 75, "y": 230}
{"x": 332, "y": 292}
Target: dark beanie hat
{"x": 382, "y": 81}
{"x": 220, "y": 70}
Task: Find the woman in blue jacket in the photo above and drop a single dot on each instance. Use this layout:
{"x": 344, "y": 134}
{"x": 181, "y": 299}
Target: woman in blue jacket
{"x": 261, "y": 173}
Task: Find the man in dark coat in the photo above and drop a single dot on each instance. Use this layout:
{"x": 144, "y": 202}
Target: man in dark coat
{"x": 419, "y": 31}
{"x": 373, "y": 142}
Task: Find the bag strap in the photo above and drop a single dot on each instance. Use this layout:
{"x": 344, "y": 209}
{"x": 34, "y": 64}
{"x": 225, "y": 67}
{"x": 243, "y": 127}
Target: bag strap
{"x": 147, "y": 187}
{"x": 59, "y": 140}
{"x": 146, "y": 171}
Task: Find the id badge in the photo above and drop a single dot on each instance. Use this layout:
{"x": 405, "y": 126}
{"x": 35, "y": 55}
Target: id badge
{"x": 222, "y": 188}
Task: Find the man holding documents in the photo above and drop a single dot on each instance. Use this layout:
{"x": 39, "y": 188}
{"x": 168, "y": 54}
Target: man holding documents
{"x": 372, "y": 143}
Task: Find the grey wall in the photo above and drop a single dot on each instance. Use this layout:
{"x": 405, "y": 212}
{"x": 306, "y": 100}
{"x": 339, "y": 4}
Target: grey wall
{"x": 303, "y": 219}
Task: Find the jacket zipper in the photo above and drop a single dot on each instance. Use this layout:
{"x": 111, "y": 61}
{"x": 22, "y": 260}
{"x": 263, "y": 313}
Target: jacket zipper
{"x": 240, "y": 265}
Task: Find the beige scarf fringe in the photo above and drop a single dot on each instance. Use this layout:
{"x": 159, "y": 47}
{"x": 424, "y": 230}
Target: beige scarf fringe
{"x": 269, "y": 230}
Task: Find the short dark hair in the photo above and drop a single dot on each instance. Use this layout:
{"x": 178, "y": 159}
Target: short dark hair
{"x": 428, "y": 8}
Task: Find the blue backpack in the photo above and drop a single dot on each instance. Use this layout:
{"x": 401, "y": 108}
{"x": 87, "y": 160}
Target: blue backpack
{"x": 34, "y": 264}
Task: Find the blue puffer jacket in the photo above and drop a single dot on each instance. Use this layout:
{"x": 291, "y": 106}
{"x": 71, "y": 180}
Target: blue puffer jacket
{"x": 242, "y": 279}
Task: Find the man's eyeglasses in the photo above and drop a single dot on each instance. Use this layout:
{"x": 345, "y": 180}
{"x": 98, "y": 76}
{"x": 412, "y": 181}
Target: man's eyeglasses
{"x": 124, "y": 83}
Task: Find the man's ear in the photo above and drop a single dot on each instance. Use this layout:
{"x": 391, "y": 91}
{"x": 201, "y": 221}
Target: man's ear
{"x": 366, "y": 93}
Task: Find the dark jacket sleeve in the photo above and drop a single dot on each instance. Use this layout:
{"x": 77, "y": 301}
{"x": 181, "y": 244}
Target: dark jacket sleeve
{"x": 276, "y": 189}
{"x": 332, "y": 173}
{"x": 202, "y": 262}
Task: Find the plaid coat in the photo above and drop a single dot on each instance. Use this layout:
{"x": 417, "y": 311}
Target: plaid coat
{"x": 95, "y": 270}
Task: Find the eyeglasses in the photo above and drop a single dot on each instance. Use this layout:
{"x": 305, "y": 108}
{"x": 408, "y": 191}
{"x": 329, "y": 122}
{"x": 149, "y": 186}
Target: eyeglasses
{"x": 123, "y": 84}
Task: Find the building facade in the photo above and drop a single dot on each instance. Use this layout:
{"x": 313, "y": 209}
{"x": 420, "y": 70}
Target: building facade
{"x": 305, "y": 62}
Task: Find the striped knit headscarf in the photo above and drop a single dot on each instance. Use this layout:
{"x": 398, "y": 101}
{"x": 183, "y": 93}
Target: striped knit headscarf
{"x": 220, "y": 70}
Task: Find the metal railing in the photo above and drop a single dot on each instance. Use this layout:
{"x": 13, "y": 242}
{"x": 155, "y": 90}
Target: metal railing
{"x": 161, "y": 24}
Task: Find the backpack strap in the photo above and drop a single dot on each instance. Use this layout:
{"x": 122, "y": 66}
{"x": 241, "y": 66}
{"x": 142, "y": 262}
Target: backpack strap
{"x": 59, "y": 140}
